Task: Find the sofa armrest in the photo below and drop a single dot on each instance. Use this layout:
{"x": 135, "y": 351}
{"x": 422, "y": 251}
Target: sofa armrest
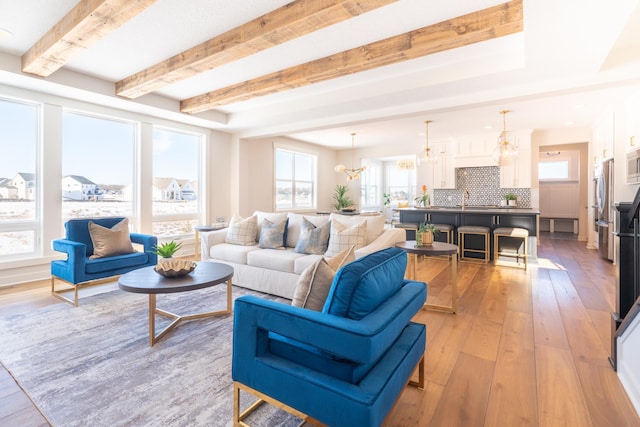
{"x": 362, "y": 341}
{"x": 149, "y": 244}
{"x": 76, "y": 252}
{"x": 387, "y": 239}
{"x": 209, "y": 239}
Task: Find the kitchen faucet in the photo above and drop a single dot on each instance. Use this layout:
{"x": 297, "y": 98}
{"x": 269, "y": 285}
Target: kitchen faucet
{"x": 465, "y": 196}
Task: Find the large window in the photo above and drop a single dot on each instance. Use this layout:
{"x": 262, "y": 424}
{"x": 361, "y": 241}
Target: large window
{"x": 400, "y": 183}
{"x": 176, "y": 182}
{"x": 295, "y": 176}
{"x": 371, "y": 186}
{"x": 97, "y": 166}
{"x": 19, "y": 195}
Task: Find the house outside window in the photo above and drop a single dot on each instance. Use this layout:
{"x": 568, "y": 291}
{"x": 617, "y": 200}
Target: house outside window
{"x": 295, "y": 180}
{"x": 177, "y": 201}
{"x": 20, "y": 230}
{"x": 97, "y": 165}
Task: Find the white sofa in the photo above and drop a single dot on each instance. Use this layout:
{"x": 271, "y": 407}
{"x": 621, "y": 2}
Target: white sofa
{"x": 276, "y": 271}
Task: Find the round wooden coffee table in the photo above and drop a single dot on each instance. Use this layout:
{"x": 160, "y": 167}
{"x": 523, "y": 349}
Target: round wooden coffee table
{"x": 436, "y": 248}
{"x": 147, "y": 281}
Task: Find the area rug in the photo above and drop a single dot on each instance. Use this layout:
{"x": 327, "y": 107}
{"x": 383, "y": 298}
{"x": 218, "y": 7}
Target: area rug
{"x": 92, "y": 365}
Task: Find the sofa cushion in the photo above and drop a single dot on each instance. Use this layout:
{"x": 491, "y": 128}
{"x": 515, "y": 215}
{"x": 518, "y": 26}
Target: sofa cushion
{"x": 362, "y": 285}
{"x": 302, "y": 263}
{"x": 313, "y": 240}
{"x": 295, "y": 226}
{"x": 375, "y": 224}
{"x": 272, "y": 234}
{"x": 273, "y": 259}
{"x": 343, "y": 237}
{"x": 314, "y": 283}
{"x": 111, "y": 241}
{"x": 242, "y": 231}
{"x": 231, "y": 253}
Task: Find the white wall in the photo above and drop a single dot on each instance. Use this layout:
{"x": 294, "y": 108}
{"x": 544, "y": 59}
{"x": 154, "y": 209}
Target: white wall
{"x": 256, "y": 175}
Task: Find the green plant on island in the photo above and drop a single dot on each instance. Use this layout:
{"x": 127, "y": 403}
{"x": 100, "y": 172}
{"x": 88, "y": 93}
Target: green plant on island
{"x": 167, "y": 249}
{"x": 510, "y": 196}
{"x": 340, "y": 198}
{"x": 387, "y": 198}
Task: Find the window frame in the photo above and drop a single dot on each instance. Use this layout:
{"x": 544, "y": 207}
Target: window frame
{"x": 29, "y": 225}
{"x": 199, "y": 216}
{"x": 296, "y": 151}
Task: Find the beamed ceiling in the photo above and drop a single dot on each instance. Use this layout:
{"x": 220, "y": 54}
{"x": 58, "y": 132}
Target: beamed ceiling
{"x": 318, "y": 69}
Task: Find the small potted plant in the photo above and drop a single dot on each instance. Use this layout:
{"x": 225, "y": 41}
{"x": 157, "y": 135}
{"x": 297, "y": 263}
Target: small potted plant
{"x": 425, "y": 234}
{"x": 511, "y": 199}
{"x": 166, "y": 250}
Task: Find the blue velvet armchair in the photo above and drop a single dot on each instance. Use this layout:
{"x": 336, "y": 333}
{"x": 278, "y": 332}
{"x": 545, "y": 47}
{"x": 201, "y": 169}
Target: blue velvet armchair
{"x": 344, "y": 366}
{"x": 78, "y": 269}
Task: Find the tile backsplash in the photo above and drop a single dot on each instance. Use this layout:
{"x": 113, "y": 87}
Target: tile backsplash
{"x": 483, "y": 184}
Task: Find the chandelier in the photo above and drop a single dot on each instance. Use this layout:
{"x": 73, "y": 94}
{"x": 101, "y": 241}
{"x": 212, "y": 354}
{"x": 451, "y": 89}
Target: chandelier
{"x": 353, "y": 173}
{"x": 506, "y": 148}
{"x": 405, "y": 164}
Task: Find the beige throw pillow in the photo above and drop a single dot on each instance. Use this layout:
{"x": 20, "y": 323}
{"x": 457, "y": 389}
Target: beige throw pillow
{"x": 110, "y": 241}
{"x": 315, "y": 281}
{"x": 242, "y": 231}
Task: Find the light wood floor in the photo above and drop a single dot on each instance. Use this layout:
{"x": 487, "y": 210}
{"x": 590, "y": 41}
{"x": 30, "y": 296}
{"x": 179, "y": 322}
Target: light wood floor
{"x": 525, "y": 348}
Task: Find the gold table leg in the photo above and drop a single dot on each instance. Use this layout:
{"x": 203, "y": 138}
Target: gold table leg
{"x": 153, "y": 310}
{"x": 454, "y": 289}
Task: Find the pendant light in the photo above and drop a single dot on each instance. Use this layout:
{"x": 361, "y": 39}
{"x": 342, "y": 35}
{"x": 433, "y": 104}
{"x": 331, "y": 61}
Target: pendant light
{"x": 506, "y": 148}
{"x": 353, "y": 173}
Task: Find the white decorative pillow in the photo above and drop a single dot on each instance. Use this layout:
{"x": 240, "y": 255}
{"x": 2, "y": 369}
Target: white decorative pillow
{"x": 272, "y": 234}
{"x": 110, "y": 241}
{"x": 342, "y": 237}
{"x": 375, "y": 224}
{"x": 313, "y": 240}
{"x": 242, "y": 231}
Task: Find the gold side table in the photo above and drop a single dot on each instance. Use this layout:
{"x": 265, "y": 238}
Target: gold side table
{"x": 437, "y": 248}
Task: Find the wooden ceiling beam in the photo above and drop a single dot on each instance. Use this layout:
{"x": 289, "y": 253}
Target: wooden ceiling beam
{"x": 288, "y": 22}
{"x": 486, "y": 24}
{"x": 88, "y": 22}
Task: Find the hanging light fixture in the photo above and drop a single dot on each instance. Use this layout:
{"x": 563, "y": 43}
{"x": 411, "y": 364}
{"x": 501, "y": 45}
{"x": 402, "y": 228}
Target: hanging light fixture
{"x": 427, "y": 151}
{"x": 353, "y": 173}
{"x": 506, "y": 148}
{"x": 405, "y": 164}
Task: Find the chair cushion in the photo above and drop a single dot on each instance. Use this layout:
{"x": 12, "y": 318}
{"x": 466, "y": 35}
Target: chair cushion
{"x": 362, "y": 285}
{"x": 112, "y": 241}
{"x": 272, "y": 234}
{"x": 242, "y": 231}
{"x": 101, "y": 265}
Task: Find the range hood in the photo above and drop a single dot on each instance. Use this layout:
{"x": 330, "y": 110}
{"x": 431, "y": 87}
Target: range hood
{"x": 474, "y": 161}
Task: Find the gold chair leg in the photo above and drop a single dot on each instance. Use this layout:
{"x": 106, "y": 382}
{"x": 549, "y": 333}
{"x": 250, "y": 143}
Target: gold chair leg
{"x": 58, "y": 294}
{"x": 420, "y": 383}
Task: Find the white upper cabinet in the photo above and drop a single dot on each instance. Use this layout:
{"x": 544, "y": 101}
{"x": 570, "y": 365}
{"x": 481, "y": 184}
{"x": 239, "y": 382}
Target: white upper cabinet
{"x": 444, "y": 169}
{"x": 516, "y": 173}
{"x": 474, "y": 152}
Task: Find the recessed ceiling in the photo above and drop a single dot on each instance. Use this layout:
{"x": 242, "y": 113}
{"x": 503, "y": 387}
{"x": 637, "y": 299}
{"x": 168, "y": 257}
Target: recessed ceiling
{"x": 569, "y": 53}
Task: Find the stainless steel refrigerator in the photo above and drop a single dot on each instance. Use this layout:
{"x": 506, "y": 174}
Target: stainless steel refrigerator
{"x": 605, "y": 211}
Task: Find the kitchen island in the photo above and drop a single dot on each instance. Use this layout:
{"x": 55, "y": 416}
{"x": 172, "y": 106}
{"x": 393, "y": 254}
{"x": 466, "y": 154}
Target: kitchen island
{"x": 492, "y": 217}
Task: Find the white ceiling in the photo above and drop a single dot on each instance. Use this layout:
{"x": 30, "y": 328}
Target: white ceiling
{"x": 573, "y": 60}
